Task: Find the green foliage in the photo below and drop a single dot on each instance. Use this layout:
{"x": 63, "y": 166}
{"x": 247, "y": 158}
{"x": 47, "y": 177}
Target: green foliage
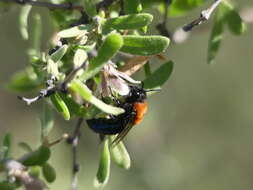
{"x": 7, "y": 142}
{"x": 47, "y": 122}
{"x": 127, "y": 22}
{"x": 103, "y": 172}
{"x": 159, "y": 76}
{"x": 108, "y": 49}
{"x": 23, "y": 21}
{"x": 60, "y": 105}
{"x": 120, "y": 155}
{"x": 37, "y": 157}
{"x": 49, "y": 172}
{"x": 85, "y": 93}
{"x": 132, "y": 6}
{"x": 83, "y": 75}
{"x": 145, "y": 45}
{"x": 226, "y": 15}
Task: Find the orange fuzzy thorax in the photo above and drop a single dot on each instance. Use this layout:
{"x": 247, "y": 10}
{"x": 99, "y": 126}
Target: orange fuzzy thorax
{"x": 141, "y": 109}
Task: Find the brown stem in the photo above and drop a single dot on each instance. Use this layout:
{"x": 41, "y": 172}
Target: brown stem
{"x": 204, "y": 16}
{"x": 74, "y": 140}
{"x": 67, "y": 6}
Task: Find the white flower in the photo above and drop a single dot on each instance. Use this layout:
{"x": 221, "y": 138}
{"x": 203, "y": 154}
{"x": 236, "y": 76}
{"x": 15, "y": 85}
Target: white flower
{"x": 18, "y": 171}
{"x": 115, "y": 81}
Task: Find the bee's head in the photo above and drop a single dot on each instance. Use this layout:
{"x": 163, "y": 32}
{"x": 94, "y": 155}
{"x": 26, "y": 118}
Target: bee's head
{"x": 136, "y": 94}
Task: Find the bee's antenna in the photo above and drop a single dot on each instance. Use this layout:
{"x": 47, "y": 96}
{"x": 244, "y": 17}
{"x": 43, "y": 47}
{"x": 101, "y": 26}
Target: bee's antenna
{"x": 152, "y": 90}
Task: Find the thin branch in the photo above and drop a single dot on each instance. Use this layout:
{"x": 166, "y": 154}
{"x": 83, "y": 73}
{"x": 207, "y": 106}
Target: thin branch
{"x": 162, "y": 27}
{"x": 74, "y": 140}
{"x": 51, "y": 88}
{"x": 72, "y": 75}
{"x": 57, "y": 141}
{"x": 204, "y": 16}
{"x": 67, "y": 6}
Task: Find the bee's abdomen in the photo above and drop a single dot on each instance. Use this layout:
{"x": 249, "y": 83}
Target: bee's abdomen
{"x": 105, "y": 126}
{"x": 140, "y": 109}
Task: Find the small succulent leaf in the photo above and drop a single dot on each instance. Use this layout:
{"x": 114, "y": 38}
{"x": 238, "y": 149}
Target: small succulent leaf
{"x": 60, "y": 105}
{"x": 87, "y": 48}
{"x": 107, "y": 50}
{"x": 79, "y": 57}
{"x": 49, "y": 172}
{"x": 36, "y": 34}
{"x": 127, "y": 22}
{"x": 7, "y": 142}
{"x": 103, "y": 172}
{"x": 159, "y": 76}
{"x": 34, "y": 171}
{"x": 144, "y": 45}
{"x": 73, "y": 106}
{"x": 233, "y": 19}
{"x": 57, "y": 55}
{"x": 52, "y": 68}
{"x": 23, "y": 21}
{"x": 215, "y": 37}
{"x": 47, "y": 121}
{"x": 80, "y": 88}
{"x": 37, "y": 157}
{"x": 75, "y": 31}
{"x": 120, "y": 155}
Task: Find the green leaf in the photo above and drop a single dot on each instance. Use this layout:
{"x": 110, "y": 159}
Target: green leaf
{"x": 74, "y": 108}
{"x": 49, "y": 172}
{"x": 79, "y": 57}
{"x": 90, "y": 7}
{"x": 52, "y": 68}
{"x": 7, "y": 142}
{"x": 5, "y": 185}
{"x": 23, "y": 81}
{"x": 178, "y": 8}
{"x": 60, "y": 105}
{"x": 127, "y": 22}
{"x": 57, "y": 55}
{"x": 23, "y": 20}
{"x": 159, "y": 76}
{"x": 87, "y": 48}
{"x": 80, "y": 88}
{"x": 132, "y": 6}
{"x": 34, "y": 171}
{"x": 108, "y": 49}
{"x": 75, "y": 31}
{"x": 36, "y": 34}
{"x": 144, "y": 45}
{"x": 147, "y": 69}
{"x": 37, "y": 157}
{"x": 25, "y": 146}
{"x": 46, "y": 120}
{"x": 233, "y": 19}
{"x": 103, "y": 172}
{"x": 120, "y": 155}
{"x": 215, "y": 37}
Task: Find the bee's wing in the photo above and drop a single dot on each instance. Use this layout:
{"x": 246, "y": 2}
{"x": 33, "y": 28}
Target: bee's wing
{"x": 123, "y": 133}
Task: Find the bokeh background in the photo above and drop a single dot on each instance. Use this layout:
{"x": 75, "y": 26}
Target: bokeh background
{"x": 198, "y": 131}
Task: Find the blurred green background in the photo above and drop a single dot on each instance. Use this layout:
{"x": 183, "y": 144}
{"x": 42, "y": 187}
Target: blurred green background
{"x": 198, "y": 131}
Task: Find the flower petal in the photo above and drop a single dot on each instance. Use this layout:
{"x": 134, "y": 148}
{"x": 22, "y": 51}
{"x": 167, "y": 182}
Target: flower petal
{"x": 119, "y": 85}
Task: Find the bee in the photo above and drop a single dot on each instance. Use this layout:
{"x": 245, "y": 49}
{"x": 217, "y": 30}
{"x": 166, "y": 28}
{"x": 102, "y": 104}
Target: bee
{"x": 135, "y": 107}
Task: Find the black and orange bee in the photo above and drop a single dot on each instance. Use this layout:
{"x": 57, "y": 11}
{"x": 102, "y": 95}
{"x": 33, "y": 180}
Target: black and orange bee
{"x": 135, "y": 107}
